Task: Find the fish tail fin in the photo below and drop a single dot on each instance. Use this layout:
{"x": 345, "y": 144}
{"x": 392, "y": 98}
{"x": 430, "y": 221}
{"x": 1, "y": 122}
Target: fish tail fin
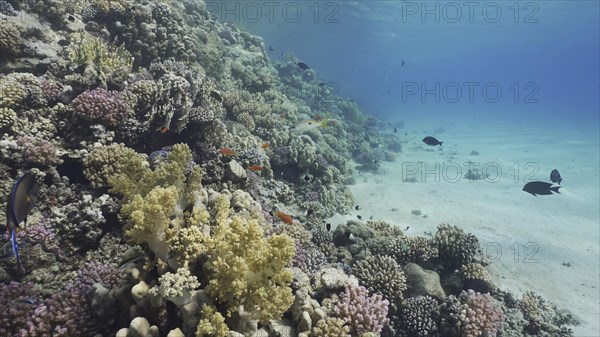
{"x": 555, "y": 189}
{"x": 15, "y": 247}
{"x": 324, "y": 122}
{"x": 441, "y": 143}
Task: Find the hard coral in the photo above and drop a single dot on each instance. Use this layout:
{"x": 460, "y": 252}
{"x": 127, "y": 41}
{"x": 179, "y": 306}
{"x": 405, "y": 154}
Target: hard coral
{"x": 456, "y": 247}
{"x": 381, "y": 275}
{"x": 471, "y": 315}
{"x": 7, "y": 117}
{"x": 10, "y": 39}
{"x": 419, "y": 317}
{"x": 250, "y": 271}
{"x": 100, "y": 105}
{"x": 362, "y": 312}
{"x": 39, "y": 152}
{"x": 109, "y": 161}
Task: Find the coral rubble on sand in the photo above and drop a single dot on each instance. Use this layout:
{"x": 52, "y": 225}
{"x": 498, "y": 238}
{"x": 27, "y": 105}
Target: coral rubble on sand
{"x": 175, "y": 201}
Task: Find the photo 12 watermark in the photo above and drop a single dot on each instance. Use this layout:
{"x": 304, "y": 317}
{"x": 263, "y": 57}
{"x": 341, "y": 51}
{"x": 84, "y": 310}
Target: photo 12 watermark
{"x": 470, "y": 11}
{"x": 470, "y": 92}
{"x": 453, "y": 172}
{"x": 321, "y": 12}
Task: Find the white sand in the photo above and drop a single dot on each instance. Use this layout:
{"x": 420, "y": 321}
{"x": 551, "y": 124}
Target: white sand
{"x": 530, "y": 236}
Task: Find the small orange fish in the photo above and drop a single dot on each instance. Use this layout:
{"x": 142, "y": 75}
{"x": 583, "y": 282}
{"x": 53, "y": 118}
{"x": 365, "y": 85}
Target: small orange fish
{"x": 255, "y": 168}
{"x": 227, "y": 151}
{"x": 318, "y": 117}
{"x": 164, "y": 130}
{"x": 265, "y": 146}
{"x": 284, "y": 217}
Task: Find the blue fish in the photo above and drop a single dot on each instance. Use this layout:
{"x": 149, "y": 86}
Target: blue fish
{"x": 20, "y": 202}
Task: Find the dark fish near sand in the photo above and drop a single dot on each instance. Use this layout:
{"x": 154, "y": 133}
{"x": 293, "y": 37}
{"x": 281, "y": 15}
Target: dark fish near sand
{"x": 540, "y": 187}
{"x": 555, "y": 176}
{"x": 303, "y": 65}
{"x": 431, "y": 141}
{"x": 20, "y": 202}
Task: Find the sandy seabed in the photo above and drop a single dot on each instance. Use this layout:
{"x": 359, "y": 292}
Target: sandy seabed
{"x": 548, "y": 244}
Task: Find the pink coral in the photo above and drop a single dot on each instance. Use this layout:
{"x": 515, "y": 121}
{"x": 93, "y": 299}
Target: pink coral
{"x": 361, "y": 312}
{"x": 38, "y": 151}
{"x": 483, "y": 316}
{"x": 69, "y": 313}
{"x": 101, "y": 105}
{"x": 17, "y": 301}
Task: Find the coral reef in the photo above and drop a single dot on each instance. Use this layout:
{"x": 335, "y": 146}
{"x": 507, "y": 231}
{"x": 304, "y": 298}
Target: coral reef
{"x": 363, "y": 313}
{"x": 162, "y": 142}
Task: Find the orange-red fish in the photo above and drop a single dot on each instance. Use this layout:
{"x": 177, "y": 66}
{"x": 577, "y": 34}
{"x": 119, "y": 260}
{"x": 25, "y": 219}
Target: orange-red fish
{"x": 227, "y": 151}
{"x": 256, "y": 168}
{"x": 284, "y": 217}
{"x": 265, "y": 146}
{"x": 164, "y": 130}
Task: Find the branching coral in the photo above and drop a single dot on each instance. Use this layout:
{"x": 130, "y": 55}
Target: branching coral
{"x": 110, "y": 161}
{"x": 419, "y": 317}
{"x": 10, "y": 39}
{"x": 381, "y": 275}
{"x": 250, "y": 271}
{"x": 7, "y": 117}
{"x": 456, "y": 247}
{"x": 100, "y": 105}
{"x": 471, "y": 315}
{"x": 363, "y": 313}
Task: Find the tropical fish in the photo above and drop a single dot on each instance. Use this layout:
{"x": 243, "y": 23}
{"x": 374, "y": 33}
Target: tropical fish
{"x": 164, "y": 130}
{"x": 540, "y": 187}
{"x": 256, "y": 168}
{"x": 284, "y": 217}
{"x": 265, "y": 146}
{"x": 431, "y": 141}
{"x": 216, "y": 96}
{"x": 303, "y": 65}
{"x": 555, "y": 176}
{"x": 20, "y": 202}
{"x": 309, "y": 124}
{"x": 227, "y": 151}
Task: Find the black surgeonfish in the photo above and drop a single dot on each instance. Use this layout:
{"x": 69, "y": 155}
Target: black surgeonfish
{"x": 540, "y": 187}
{"x": 431, "y": 141}
{"x": 20, "y": 202}
{"x": 303, "y": 65}
{"x": 555, "y": 176}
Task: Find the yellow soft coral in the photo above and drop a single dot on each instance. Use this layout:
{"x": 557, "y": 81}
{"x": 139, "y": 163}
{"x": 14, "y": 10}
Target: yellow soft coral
{"x": 92, "y": 50}
{"x": 212, "y": 323}
{"x": 135, "y": 178}
{"x": 149, "y": 216}
{"x": 188, "y": 244}
{"x": 110, "y": 161}
{"x": 250, "y": 271}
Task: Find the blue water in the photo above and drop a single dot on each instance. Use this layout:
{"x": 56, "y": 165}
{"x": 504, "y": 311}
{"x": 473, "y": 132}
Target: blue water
{"x": 534, "y": 64}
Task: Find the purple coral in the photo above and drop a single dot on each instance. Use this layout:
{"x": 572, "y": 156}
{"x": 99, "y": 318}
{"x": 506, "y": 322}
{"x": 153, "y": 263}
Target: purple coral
{"x": 17, "y": 301}
{"x": 69, "y": 312}
{"x": 361, "y": 312}
{"x": 280, "y": 155}
{"x": 40, "y": 152}
{"x": 101, "y": 105}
